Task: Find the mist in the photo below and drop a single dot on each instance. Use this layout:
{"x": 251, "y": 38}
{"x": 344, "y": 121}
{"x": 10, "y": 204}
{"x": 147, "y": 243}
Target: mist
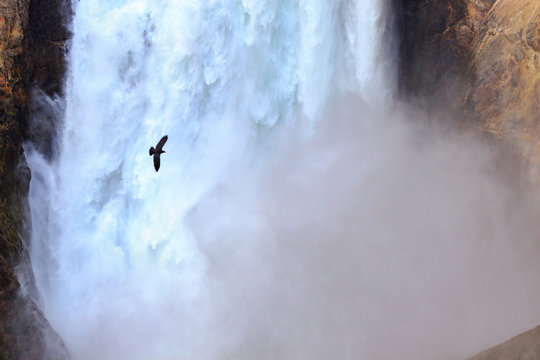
{"x": 380, "y": 237}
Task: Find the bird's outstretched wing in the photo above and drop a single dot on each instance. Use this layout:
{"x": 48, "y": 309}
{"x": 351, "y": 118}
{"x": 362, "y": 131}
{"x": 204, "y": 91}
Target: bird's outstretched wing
{"x": 156, "y": 161}
{"x": 161, "y": 142}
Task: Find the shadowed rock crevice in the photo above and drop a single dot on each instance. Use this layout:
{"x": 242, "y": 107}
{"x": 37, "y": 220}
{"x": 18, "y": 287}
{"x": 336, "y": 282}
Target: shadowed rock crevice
{"x": 436, "y": 44}
{"x": 47, "y": 38}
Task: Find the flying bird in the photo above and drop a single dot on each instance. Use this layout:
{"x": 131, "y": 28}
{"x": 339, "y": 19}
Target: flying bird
{"x": 158, "y": 151}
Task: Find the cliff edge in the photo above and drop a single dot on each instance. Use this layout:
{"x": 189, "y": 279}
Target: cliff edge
{"x": 522, "y": 347}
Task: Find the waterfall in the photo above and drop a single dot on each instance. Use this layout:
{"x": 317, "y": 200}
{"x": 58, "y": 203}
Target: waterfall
{"x": 275, "y": 225}
{"x": 110, "y": 238}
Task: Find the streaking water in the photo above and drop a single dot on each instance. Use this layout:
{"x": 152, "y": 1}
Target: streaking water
{"x": 119, "y": 271}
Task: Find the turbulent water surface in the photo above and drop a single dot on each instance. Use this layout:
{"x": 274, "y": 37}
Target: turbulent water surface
{"x": 294, "y": 216}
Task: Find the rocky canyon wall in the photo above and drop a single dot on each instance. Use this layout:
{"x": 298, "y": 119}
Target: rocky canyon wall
{"x": 479, "y": 60}
{"x": 32, "y": 35}
{"x": 436, "y": 43}
{"x": 505, "y": 62}
{"x": 522, "y": 347}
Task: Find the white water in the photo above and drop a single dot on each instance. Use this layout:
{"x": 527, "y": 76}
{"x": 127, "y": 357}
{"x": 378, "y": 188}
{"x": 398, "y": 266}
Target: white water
{"x": 272, "y": 227}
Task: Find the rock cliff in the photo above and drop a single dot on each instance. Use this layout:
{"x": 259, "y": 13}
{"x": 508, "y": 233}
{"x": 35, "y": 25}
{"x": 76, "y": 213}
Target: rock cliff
{"x": 522, "y": 347}
{"x": 29, "y": 57}
{"x": 436, "y": 44}
{"x": 481, "y": 60}
{"x": 478, "y": 58}
{"x": 505, "y": 63}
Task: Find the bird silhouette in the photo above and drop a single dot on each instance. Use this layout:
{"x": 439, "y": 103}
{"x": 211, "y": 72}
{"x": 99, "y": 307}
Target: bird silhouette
{"x": 158, "y": 151}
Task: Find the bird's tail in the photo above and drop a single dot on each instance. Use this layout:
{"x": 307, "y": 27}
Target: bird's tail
{"x": 152, "y": 151}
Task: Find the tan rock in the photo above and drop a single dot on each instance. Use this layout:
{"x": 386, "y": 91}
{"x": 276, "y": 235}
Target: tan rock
{"x": 506, "y": 66}
{"x": 489, "y": 51}
{"x": 522, "y": 347}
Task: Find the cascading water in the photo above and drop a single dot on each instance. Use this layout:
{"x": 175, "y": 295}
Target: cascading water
{"x": 273, "y": 229}
{"x": 110, "y": 241}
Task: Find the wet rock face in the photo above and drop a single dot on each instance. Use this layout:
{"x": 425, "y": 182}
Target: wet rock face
{"x": 29, "y": 56}
{"x": 47, "y": 37}
{"x": 13, "y": 21}
{"x": 435, "y": 47}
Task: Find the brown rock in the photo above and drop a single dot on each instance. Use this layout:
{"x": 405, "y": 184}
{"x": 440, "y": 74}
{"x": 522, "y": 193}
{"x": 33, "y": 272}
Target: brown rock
{"x": 522, "y": 347}
{"x": 505, "y": 60}
{"x": 482, "y": 57}
{"x": 24, "y": 332}
{"x": 12, "y": 104}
